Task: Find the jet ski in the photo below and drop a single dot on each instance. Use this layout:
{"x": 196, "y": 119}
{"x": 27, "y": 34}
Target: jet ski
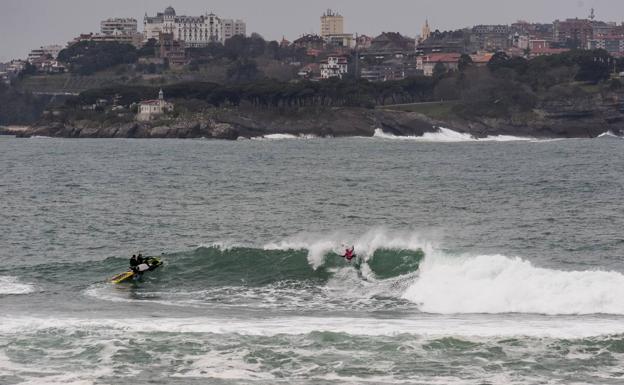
{"x": 149, "y": 264}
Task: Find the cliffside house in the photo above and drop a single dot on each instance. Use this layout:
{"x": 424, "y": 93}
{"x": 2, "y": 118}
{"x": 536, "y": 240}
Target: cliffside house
{"x": 150, "y": 109}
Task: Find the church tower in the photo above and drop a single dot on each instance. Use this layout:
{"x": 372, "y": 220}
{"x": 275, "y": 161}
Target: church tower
{"x": 426, "y": 31}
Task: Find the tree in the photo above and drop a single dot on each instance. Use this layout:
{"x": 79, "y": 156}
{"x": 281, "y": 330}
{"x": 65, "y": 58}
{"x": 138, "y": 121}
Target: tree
{"x": 465, "y": 61}
{"x": 439, "y": 70}
{"x": 243, "y": 71}
{"x": 594, "y": 66}
{"x": 88, "y": 57}
{"x": 28, "y": 70}
{"x": 499, "y": 60}
{"x": 148, "y": 49}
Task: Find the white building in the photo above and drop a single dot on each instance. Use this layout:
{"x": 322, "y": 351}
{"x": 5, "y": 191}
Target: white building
{"x": 334, "y": 67}
{"x": 118, "y": 26}
{"x": 232, "y": 28}
{"x": 49, "y": 50}
{"x": 150, "y": 109}
{"x": 194, "y": 31}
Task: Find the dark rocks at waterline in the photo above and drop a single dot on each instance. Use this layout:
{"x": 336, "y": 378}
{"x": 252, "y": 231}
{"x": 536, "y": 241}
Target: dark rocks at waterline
{"x": 231, "y": 124}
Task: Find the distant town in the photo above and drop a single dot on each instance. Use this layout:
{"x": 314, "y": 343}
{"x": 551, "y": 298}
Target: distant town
{"x": 334, "y": 52}
{"x": 207, "y": 76}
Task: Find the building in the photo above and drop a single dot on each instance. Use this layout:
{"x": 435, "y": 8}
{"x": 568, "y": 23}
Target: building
{"x": 613, "y": 45}
{"x": 535, "y": 31}
{"x": 334, "y": 67}
{"x": 331, "y": 24}
{"x": 602, "y": 29}
{"x": 44, "y": 59}
{"x": 232, "y": 27}
{"x": 425, "y": 32}
{"x": 492, "y": 37}
{"x": 151, "y": 109}
{"x": 363, "y": 41}
{"x": 48, "y": 51}
{"x": 392, "y": 42}
{"x": 135, "y": 40}
{"x": 427, "y": 63}
{"x": 543, "y": 48}
{"x": 481, "y": 59}
{"x": 389, "y": 70}
{"x": 448, "y": 42}
{"x": 310, "y": 42}
{"x": 520, "y": 41}
{"x": 345, "y": 40}
{"x": 575, "y": 33}
{"x": 194, "y": 31}
{"x": 119, "y": 26}
{"x": 170, "y": 49}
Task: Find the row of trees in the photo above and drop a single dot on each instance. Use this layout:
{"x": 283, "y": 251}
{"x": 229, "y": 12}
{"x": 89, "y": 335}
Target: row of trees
{"x": 511, "y": 85}
{"x": 88, "y": 57}
{"x": 271, "y": 94}
{"x": 585, "y": 65}
{"x": 241, "y": 47}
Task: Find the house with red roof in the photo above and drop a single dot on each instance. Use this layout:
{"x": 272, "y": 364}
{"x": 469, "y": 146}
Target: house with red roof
{"x": 427, "y": 63}
{"x": 151, "y": 109}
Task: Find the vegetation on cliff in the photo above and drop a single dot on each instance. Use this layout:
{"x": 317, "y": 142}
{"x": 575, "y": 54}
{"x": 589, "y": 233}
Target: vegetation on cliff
{"x": 18, "y": 107}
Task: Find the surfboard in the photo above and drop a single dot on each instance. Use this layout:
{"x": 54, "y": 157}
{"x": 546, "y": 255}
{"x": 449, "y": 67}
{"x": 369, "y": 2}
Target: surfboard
{"x": 128, "y": 275}
{"x": 119, "y": 278}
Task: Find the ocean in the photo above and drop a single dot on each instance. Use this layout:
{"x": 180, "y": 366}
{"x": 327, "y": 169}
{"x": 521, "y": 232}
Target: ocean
{"x": 497, "y": 261}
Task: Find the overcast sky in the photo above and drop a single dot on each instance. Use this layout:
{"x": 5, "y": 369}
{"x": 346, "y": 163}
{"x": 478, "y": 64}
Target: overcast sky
{"x": 28, "y": 24}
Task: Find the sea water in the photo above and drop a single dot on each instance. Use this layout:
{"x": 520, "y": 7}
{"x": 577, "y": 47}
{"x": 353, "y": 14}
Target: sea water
{"x": 479, "y": 262}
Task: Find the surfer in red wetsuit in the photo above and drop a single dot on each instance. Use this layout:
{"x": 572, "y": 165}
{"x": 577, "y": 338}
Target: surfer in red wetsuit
{"x": 349, "y": 255}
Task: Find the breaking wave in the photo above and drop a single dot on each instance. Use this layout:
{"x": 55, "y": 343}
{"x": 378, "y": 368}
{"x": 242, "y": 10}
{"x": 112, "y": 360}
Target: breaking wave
{"x": 11, "y": 286}
{"x": 285, "y": 137}
{"x": 499, "y": 284}
{"x": 394, "y": 269}
{"x": 444, "y": 135}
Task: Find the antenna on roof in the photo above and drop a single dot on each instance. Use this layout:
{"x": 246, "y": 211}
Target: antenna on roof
{"x": 592, "y": 14}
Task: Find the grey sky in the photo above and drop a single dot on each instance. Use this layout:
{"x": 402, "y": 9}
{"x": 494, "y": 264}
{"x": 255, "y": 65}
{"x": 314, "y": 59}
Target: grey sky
{"x": 27, "y": 24}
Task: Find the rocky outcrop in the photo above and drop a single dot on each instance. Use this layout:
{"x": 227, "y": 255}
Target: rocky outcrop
{"x": 230, "y": 124}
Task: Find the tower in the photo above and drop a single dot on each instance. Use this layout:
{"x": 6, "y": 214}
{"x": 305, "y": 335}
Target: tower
{"x": 426, "y": 31}
{"x": 161, "y": 99}
{"x": 332, "y": 23}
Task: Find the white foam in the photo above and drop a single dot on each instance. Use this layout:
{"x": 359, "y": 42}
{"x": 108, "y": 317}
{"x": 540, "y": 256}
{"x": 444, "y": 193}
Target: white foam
{"x": 217, "y": 365}
{"x": 285, "y": 137}
{"x": 12, "y": 286}
{"x": 426, "y": 326}
{"x": 609, "y": 134}
{"x": 498, "y": 284}
{"x": 444, "y": 135}
{"x": 365, "y": 244}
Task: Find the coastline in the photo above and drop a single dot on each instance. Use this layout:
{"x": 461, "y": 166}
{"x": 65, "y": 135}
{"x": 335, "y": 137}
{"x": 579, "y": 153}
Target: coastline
{"x": 233, "y": 124}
